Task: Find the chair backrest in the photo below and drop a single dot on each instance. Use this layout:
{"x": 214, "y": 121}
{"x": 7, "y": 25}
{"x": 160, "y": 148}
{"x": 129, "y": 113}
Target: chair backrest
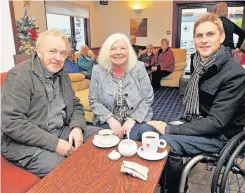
{"x": 21, "y": 58}
{"x": 3, "y": 76}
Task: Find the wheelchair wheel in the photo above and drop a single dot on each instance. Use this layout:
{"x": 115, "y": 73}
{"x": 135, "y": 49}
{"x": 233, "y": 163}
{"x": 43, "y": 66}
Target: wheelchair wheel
{"x": 233, "y": 178}
{"x": 225, "y": 156}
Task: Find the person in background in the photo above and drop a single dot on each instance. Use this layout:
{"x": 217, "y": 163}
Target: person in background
{"x": 71, "y": 65}
{"x": 214, "y": 101}
{"x": 230, "y": 28}
{"x": 136, "y": 48}
{"x": 85, "y": 62}
{"x": 162, "y": 63}
{"x": 120, "y": 93}
{"x": 241, "y": 54}
{"x": 147, "y": 57}
{"x": 42, "y": 119}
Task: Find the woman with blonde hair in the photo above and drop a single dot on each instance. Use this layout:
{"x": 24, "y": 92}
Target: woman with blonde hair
{"x": 230, "y": 28}
{"x": 120, "y": 93}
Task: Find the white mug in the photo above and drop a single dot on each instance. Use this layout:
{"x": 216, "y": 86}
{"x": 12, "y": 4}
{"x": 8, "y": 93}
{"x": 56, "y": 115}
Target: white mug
{"x": 104, "y": 136}
{"x": 151, "y": 142}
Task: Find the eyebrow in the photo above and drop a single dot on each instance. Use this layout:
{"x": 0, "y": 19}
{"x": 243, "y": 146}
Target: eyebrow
{"x": 206, "y": 32}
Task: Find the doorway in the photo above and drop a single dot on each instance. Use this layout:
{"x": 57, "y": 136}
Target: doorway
{"x": 187, "y": 13}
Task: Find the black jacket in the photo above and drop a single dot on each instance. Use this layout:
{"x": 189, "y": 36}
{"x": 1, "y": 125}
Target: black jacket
{"x": 137, "y": 48}
{"x": 231, "y": 28}
{"x": 221, "y": 101}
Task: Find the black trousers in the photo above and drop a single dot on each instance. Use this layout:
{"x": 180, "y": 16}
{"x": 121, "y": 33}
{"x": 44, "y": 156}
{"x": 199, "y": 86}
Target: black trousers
{"x": 157, "y": 75}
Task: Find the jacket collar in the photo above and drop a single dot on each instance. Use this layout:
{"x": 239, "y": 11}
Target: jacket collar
{"x": 222, "y": 57}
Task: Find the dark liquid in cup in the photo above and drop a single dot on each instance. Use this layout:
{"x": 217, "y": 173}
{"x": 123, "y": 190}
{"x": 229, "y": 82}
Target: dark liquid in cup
{"x": 105, "y": 134}
{"x": 150, "y": 137}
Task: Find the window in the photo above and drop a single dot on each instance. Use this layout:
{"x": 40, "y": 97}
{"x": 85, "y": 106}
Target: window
{"x": 71, "y": 18}
{"x": 79, "y": 31}
{"x": 71, "y": 26}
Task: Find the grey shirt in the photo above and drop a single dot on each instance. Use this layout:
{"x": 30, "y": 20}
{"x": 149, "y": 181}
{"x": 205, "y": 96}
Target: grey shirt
{"x": 56, "y": 103}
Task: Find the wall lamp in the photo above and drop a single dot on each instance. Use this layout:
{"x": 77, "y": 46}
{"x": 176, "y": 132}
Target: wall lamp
{"x": 137, "y": 8}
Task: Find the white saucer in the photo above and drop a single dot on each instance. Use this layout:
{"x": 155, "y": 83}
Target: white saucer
{"x": 157, "y": 156}
{"x": 115, "y": 140}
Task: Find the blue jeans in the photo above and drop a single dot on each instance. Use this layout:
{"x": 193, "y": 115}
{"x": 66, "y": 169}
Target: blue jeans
{"x": 136, "y": 131}
{"x": 186, "y": 146}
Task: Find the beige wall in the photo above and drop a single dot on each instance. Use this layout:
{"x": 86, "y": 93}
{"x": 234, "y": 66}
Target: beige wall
{"x": 37, "y": 10}
{"x": 114, "y": 17}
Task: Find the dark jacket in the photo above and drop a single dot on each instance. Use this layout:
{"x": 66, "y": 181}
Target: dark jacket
{"x": 137, "y": 48}
{"x": 221, "y": 101}
{"x": 146, "y": 58}
{"x": 72, "y": 67}
{"x": 231, "y": 28}
{"x": 25, "y": 109}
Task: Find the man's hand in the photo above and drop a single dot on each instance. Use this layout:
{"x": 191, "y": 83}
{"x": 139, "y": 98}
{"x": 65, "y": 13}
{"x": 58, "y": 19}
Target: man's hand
{"x": 76, "y": 135}
{"x": 158, "y": 125}
{"x": 115, "y": 126}
{"x": 154, "y": 68}
{"x": 146, "y": 65}
{"x": 63, "y": 147}
{"x": 128, "y": 125}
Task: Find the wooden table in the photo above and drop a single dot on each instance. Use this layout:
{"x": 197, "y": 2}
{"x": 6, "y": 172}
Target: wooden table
{"x": 90, "y": 170}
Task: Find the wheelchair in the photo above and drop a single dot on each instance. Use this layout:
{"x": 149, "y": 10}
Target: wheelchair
{"x": 229, "y": 174}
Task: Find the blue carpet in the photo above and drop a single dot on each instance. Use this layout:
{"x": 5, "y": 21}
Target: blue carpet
{"x": 167, "y": 105}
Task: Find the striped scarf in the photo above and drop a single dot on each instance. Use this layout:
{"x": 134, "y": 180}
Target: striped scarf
{"x": 191, "y": 97}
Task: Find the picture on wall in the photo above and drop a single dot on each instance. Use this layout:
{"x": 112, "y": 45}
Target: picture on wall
{"x": 138, "y": 27}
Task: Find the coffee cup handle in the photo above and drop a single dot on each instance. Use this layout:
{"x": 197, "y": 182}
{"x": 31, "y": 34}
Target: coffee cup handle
{"x": 162, "y": 145}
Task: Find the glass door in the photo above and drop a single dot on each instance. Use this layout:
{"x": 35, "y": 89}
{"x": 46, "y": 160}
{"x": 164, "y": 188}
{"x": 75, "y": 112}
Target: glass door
{"x": 187, "y": 13}
{"x": 188, "y": 18}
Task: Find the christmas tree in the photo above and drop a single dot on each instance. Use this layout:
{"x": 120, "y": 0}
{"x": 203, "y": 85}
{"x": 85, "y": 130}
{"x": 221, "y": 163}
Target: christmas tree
{"x": 27, "y": 33}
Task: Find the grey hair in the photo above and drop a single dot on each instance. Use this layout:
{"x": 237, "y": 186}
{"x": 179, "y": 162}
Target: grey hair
{"x": 52, "y": 32}
{"x": 83, "y": 46}
{"x": 165, "y": 40}
{"x": 104, "y": 55}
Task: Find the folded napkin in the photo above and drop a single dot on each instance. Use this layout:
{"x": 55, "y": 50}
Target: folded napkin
{"x": 135, "y": 169}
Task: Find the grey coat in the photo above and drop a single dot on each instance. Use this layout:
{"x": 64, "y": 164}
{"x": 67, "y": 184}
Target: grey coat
{"x": 137, "y": 91}
{"x": 25, "y": 109}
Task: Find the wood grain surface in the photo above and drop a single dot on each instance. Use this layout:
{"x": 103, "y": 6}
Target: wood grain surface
{"x": 90, "y": 170}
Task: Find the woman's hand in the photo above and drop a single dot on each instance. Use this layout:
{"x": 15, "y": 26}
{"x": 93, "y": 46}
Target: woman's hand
{"x": 128, "y": 125}
{"x": 115, "y": 126}
{"x": 158, "y": 125}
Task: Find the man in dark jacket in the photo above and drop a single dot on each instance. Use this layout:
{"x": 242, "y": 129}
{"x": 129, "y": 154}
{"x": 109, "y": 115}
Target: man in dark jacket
{"x": 214, "y": 101}
{"x": 136, "y": 48}
{"x": 42, "y": 120}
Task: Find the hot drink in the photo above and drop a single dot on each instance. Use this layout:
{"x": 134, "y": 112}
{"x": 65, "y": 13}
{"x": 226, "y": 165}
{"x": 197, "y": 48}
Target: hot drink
{"x": 151, "y": 142}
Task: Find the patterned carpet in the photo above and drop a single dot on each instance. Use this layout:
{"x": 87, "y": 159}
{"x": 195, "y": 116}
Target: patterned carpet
{"x": 167, "y": 105}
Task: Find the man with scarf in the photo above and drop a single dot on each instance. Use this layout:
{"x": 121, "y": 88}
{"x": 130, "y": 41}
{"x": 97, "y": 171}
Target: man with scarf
{"x": 214, "y": 101}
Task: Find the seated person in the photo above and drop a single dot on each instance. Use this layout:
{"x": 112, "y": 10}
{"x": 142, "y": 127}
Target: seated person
{"x": 120, "y": 93}
{"x": 136, "y": 48}
{"x": 214, "y": 101}
{"x": 241, "y": 53}
{"x": 147, "y": 57}
{"x": 85, "y": 62}
{"x": 71, "y": 65}
{"x": 41, "y": 122}
{"x": 163, "y": 63}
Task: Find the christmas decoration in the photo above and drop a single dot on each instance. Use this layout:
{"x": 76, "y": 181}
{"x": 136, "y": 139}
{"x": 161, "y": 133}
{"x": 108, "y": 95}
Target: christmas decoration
{"x": 27, "y": 32}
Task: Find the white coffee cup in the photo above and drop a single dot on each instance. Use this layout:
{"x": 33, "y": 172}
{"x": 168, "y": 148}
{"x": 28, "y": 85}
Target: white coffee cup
{"x": 151, "y": 142}
{"x": 104, "y": 136}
